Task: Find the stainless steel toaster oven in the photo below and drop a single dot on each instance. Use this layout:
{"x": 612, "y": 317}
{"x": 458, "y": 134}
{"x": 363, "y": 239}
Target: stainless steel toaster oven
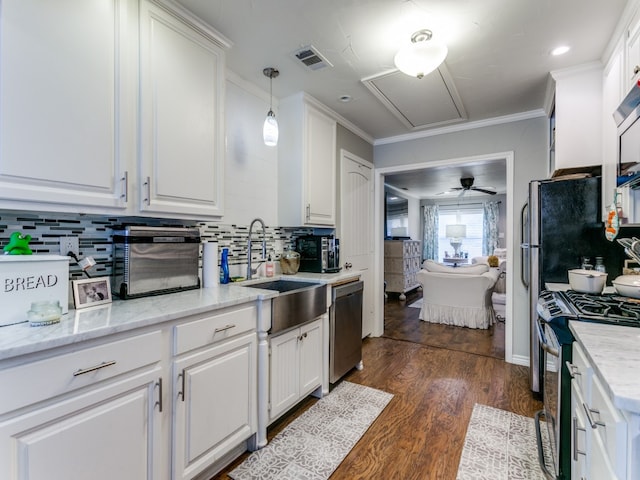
{"x": 154, "y": 260}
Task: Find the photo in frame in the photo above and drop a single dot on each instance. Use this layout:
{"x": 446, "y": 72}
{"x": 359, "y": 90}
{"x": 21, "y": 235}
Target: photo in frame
{"x": 91, "y": 291}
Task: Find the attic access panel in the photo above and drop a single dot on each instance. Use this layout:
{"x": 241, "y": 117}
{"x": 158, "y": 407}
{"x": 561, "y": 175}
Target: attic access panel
{"x": 419, "y": 103}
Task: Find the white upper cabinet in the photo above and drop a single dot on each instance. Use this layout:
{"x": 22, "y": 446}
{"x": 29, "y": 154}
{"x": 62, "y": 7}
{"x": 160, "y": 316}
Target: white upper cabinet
{"x": 632, "y": 70}
{"x": 110, "y": 106}
{"x": 67, "y": 103}
{"x": 307, "y": 170}
{"x": 182, "y": 123}
{"x": 613, "y": 88}
{"x": 578, "y": 116}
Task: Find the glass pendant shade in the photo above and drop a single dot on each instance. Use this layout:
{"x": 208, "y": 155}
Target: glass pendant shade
{"x": 270, "y": 127}
{"x": 420, "y": 58}
{"x": 270, "y": 130}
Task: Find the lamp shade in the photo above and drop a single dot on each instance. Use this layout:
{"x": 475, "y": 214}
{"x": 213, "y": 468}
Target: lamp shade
{"x": 420, "y": 58}
{"x": 456, "y": 231}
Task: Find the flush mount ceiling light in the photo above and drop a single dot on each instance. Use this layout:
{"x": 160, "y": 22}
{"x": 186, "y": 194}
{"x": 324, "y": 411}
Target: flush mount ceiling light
{"x": 270, "y": 127}
{"x": 422, "y": 56}
{"x": 560, "y": 50}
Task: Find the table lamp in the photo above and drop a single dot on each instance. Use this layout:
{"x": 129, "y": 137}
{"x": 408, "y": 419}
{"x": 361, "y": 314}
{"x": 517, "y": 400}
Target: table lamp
{"x": 456, "y": 233}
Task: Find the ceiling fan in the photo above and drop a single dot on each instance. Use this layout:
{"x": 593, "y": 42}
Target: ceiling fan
{"x": 467, "y": 185}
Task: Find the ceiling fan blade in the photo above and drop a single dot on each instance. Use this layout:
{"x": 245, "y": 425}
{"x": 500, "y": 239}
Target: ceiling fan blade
{"x": 450, "y": 190}
{"x": 488, "y": 192}
{"x": 462, "y": 192}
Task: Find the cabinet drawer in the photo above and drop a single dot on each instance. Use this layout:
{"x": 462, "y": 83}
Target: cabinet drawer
{"x": 214, "y": 328}
{"x": 44, "y": 379}
{"x": 614, "y": 431}
{"x": 581, "y": 371}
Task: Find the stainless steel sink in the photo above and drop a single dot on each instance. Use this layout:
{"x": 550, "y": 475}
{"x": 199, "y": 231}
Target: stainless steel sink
{"x": 297, "y": 302}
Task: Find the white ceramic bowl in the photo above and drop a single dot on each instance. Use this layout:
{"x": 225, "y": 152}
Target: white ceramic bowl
{"x": 587, "y": 281}
{"x": 628, "y": 285}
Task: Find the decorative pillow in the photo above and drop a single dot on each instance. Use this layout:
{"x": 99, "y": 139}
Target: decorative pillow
{"x": 431, "y": 266}
{"x": 493, "y": 261}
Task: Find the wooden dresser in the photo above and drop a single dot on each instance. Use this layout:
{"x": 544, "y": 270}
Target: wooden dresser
{"x": 401, "y": 263}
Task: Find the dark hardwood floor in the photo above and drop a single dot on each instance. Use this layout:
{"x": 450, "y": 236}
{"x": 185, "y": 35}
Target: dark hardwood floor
{"x": 402, "y": 323}
{"x": 435, "y": 384}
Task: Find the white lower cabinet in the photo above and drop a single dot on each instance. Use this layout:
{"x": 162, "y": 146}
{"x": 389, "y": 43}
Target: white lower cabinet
{"x": 578, "y": 435}
{"x": 98, "y": 426}
{"x": 215, "y": 404}
{"x": 295, "y": 367}
{"x": 599, "y": 439}
{"x": 177, "y": 401}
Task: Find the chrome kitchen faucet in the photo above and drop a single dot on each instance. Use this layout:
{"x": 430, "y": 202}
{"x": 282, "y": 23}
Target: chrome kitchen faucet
{"x": 250, "y": 271}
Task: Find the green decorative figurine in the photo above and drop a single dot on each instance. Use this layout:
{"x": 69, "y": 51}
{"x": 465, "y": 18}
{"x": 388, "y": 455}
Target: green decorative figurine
{"x": 18, "y": 245}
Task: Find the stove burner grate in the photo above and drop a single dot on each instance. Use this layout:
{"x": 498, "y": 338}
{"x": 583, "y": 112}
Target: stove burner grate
{"x": 605, "y": 308}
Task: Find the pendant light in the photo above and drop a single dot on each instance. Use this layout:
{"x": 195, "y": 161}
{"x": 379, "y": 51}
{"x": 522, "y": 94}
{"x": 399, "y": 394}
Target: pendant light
{"x": 422, "y": 56}
{"x": 270, "y": 128}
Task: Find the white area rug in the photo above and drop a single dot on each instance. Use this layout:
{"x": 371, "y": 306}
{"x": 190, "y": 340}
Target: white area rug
{"x": 499, "y": 445}
{"x": 313, "y": 445}
{"x": 416, "y": 304}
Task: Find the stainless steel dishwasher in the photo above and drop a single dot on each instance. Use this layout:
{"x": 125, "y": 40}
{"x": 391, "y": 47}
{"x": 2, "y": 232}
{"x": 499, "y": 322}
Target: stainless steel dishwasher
{"x": 345, "y": 328}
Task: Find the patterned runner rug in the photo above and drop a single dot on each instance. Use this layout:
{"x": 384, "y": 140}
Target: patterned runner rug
{"x": 499, "y": 445}
{"x": 313, "y": 445}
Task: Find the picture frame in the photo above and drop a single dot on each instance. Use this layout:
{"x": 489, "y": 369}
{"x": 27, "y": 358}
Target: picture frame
{"x": 90, "y": 292}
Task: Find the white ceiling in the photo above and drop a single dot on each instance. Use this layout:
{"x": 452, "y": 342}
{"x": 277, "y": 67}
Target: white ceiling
{"x": 498, "y": 63}
{"x": 498, "y": 49}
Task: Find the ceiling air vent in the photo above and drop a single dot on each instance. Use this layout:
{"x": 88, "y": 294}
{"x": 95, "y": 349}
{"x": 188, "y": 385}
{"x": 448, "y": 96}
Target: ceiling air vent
{"x": 311, "y": 58}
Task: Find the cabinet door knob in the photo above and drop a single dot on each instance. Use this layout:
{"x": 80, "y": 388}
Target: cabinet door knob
{"x": 636, "y": 69}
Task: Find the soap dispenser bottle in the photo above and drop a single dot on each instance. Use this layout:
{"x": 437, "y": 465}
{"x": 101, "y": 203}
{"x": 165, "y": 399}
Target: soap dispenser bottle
{"x": 224, "y": 266}
{"x": 269, "y": 267}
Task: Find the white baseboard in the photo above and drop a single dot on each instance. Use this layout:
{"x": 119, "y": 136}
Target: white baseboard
{"x": 520, "y": 360}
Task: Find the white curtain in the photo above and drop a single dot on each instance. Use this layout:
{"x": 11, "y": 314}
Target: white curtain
{"x": 490, "y": 240}
{"x": 430, "y": 237}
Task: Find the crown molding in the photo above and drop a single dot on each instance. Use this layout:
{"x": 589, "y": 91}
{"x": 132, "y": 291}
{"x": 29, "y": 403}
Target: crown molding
{"x": 461, "y": 127}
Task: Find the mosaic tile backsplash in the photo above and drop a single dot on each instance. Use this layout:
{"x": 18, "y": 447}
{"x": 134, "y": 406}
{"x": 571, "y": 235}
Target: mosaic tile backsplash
{"x": 95, "y": 235}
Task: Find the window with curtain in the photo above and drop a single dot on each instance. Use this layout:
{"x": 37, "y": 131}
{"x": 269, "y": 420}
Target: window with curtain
{"x": 473, "y": 218}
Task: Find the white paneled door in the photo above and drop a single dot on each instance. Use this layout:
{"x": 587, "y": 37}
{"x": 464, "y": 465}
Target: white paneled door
{"x": 356, "y": 227}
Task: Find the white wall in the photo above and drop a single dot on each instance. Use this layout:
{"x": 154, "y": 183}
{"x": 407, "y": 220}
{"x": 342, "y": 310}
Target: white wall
{"x": 527, "y": 139}
{"x": 251, "y": 168}
{"x": 415, "y": 224}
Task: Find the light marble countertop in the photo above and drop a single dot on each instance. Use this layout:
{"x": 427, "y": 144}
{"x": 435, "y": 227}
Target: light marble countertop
{"x": 614, "y": 353}
{"x": 123, "y": 315}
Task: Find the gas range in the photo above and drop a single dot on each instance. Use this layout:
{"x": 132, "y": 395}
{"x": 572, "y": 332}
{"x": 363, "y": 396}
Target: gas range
{"x": 555, "y": 340}
{"x": 605, "y": 308}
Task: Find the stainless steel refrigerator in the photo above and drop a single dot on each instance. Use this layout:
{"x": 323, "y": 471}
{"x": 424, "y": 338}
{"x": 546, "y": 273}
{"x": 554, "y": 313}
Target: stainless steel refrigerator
{"x": 561, "y": 224}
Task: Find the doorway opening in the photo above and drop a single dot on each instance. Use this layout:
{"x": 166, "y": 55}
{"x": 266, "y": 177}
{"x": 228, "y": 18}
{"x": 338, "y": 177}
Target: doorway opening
{"x": 381, "y": 173}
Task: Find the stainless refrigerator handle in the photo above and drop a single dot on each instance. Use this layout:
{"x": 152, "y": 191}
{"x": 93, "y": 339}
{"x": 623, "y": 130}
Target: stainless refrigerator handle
{"x": 524, "y": 281}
